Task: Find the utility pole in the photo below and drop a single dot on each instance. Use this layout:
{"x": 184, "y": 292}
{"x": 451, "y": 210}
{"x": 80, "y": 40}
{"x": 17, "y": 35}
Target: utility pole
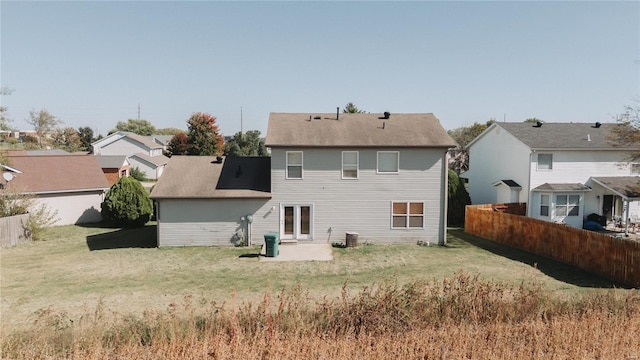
{"x": 138, "y": 111}
{"x": 241, "y": 121}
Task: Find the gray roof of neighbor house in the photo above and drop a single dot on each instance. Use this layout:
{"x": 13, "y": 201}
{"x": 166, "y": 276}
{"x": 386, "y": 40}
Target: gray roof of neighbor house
{"x": 161, "y": 139}
{"x": 625, "y": 186}
{"x": 565, "y": 135}
{"x": 157, "y": 160}
{"x": 111, "y": 161}
{"x": 356, "y": 130}
{"x": 562, "y": 187}
{"x": 56, "y": 173}
{"x": 205, "y": 177}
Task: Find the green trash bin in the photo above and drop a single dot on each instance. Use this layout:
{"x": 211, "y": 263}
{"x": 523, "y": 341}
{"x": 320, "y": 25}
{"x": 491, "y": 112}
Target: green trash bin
{"x": 271, "y": 240}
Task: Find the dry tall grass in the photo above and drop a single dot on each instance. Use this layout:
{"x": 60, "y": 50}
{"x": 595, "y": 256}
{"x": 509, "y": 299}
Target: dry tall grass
{"x": 458, "y": 318}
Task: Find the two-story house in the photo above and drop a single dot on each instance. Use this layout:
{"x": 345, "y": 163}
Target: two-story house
{"x": 383, "y": 176}
{"x": 141, "y": 152}
{"x": 563, "y": 171}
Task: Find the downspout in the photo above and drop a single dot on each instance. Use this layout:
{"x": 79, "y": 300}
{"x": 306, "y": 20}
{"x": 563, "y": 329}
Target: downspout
{"x": 445, "y": 191}
{"x": 529, "y": 192}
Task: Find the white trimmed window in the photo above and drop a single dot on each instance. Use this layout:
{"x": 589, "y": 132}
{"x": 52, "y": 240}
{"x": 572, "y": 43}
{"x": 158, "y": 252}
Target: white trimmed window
{"x": 567, "y": 205}
{"x": 635, "y": 168}
{"x": 544, "y": 205}
{"x": 388, "y": 162}
{"x": 545, "y": 161}
{"x": 407, "y": 215}
{"x": 294, "y": 164}
{"x": 350, "y": 164}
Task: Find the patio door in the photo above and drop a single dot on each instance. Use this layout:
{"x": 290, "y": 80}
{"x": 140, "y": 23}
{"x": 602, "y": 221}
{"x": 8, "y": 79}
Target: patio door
{"x": 296, "y": 221}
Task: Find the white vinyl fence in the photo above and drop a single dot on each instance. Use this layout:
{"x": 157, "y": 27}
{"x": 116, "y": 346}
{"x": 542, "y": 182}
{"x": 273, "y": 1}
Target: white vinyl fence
{"x": 13, "y": 230}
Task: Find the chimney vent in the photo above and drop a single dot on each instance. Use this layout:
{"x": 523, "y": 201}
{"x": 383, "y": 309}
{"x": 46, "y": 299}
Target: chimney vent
{"x": 538, "y": 124}
{"x": 338, "y": 113}
{"x": 598, "y": 124}
{"x": 387, "y": 114}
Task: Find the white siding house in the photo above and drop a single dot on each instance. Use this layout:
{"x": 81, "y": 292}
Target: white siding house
{"x": 556, "y": 168}
{"x": 142, "y": 152}
{"x": 382, "y": 176}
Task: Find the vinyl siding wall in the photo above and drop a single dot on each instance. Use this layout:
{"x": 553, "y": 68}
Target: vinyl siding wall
{"x": 150, "y": 170}
{"x": 496, "y": 156}
{"x": 123, "y": 146}
{"x": 363, "y": 205}
{"x": 213, "y": 222}
{"x": 75, "y": 207}
{"x": 579, "y": 167}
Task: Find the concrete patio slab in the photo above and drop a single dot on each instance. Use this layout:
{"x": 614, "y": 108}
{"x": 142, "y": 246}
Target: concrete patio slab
{"x": 300, "y": 252}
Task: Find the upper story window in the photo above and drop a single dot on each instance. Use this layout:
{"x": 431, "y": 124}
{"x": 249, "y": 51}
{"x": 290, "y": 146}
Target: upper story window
{"x": 567, "y": 205}
{"x": 294, "y": 164}
{"x": 545, "y": 161}
{"x": 388, "y": 162}
{"x": 407, "y": 215}
{"x": 635, "y": 168}
{"x": 350, "y": 164}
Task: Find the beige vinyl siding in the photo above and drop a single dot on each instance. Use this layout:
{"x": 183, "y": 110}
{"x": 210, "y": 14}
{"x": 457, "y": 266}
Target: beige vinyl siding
{"x": 212, "y": 222}
{"x": 123, "y": 146}
{"x": 74, "y": 207}
{"x": 364, "y": 205}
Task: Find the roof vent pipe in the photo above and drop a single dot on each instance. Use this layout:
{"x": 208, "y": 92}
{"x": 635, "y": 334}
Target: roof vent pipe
{"x": 538, "y": 123}
{"x": 386, "y": 114}
{"x": 598, "y": 124}
{"x": 338, "y": 113}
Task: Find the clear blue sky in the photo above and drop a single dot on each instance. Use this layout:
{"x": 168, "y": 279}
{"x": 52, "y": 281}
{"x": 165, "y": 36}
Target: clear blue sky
{"x": 91, "y": 63}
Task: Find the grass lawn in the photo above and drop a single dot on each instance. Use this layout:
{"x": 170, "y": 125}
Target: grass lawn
{"x": 78, "y": 268}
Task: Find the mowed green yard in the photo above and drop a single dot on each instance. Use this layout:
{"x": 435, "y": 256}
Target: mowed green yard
{"x": 80, "y": 268}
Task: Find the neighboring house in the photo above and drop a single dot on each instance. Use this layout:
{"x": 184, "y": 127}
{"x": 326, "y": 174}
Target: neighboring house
{"x": 563, "y": 171}
{"x": 162, "y": 140}
{"x": 147, "y": 152}
{"x": 382, "y": 176}
{"x": 114, "y": 167}
{"x": 73, "y": 185}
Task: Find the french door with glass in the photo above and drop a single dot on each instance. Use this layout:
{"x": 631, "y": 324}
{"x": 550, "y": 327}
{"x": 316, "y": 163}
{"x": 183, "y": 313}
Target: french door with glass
{"x": 296, "y": 221}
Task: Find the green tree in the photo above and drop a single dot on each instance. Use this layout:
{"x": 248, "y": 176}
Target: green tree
{"x": 533, "y": 120}
{"x": 4, "y": 120}
{"x": 247, "y": 144}
{"x": 351, "y": 108}
{"x": 86, "y": 138}
{"x": 140, "y": 127}
{"x": 627, "y": 130}
{"x": 43, "y": 123}
{"x": 67, "y": 139}
{"x": 458, "y": 199}
{"x": 178, "y": 145}
{"x": 203, "y": 135}
{"x": 459, "y": 157}
{"x": 137, "y": 174}
{"x": 127, "y": 204}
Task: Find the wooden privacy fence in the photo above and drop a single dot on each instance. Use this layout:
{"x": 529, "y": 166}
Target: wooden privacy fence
{"x": 13, "y": 230}
{"x": 615, "y": 258}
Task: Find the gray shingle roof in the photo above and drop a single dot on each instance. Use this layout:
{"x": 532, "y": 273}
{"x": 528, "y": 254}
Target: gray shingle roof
{"x": 562, "y": 187}
{"x": 564, "y": 135}
{"x": 157, "y": 160}
{"x": 356, "y": 130}
{"x": 627, "y": 186}
{"x": 111, "y": 161}
{"x": 203, "y": 177}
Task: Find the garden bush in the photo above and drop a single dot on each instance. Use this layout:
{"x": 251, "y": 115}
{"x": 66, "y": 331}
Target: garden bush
{"x": 127, "y": 204}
